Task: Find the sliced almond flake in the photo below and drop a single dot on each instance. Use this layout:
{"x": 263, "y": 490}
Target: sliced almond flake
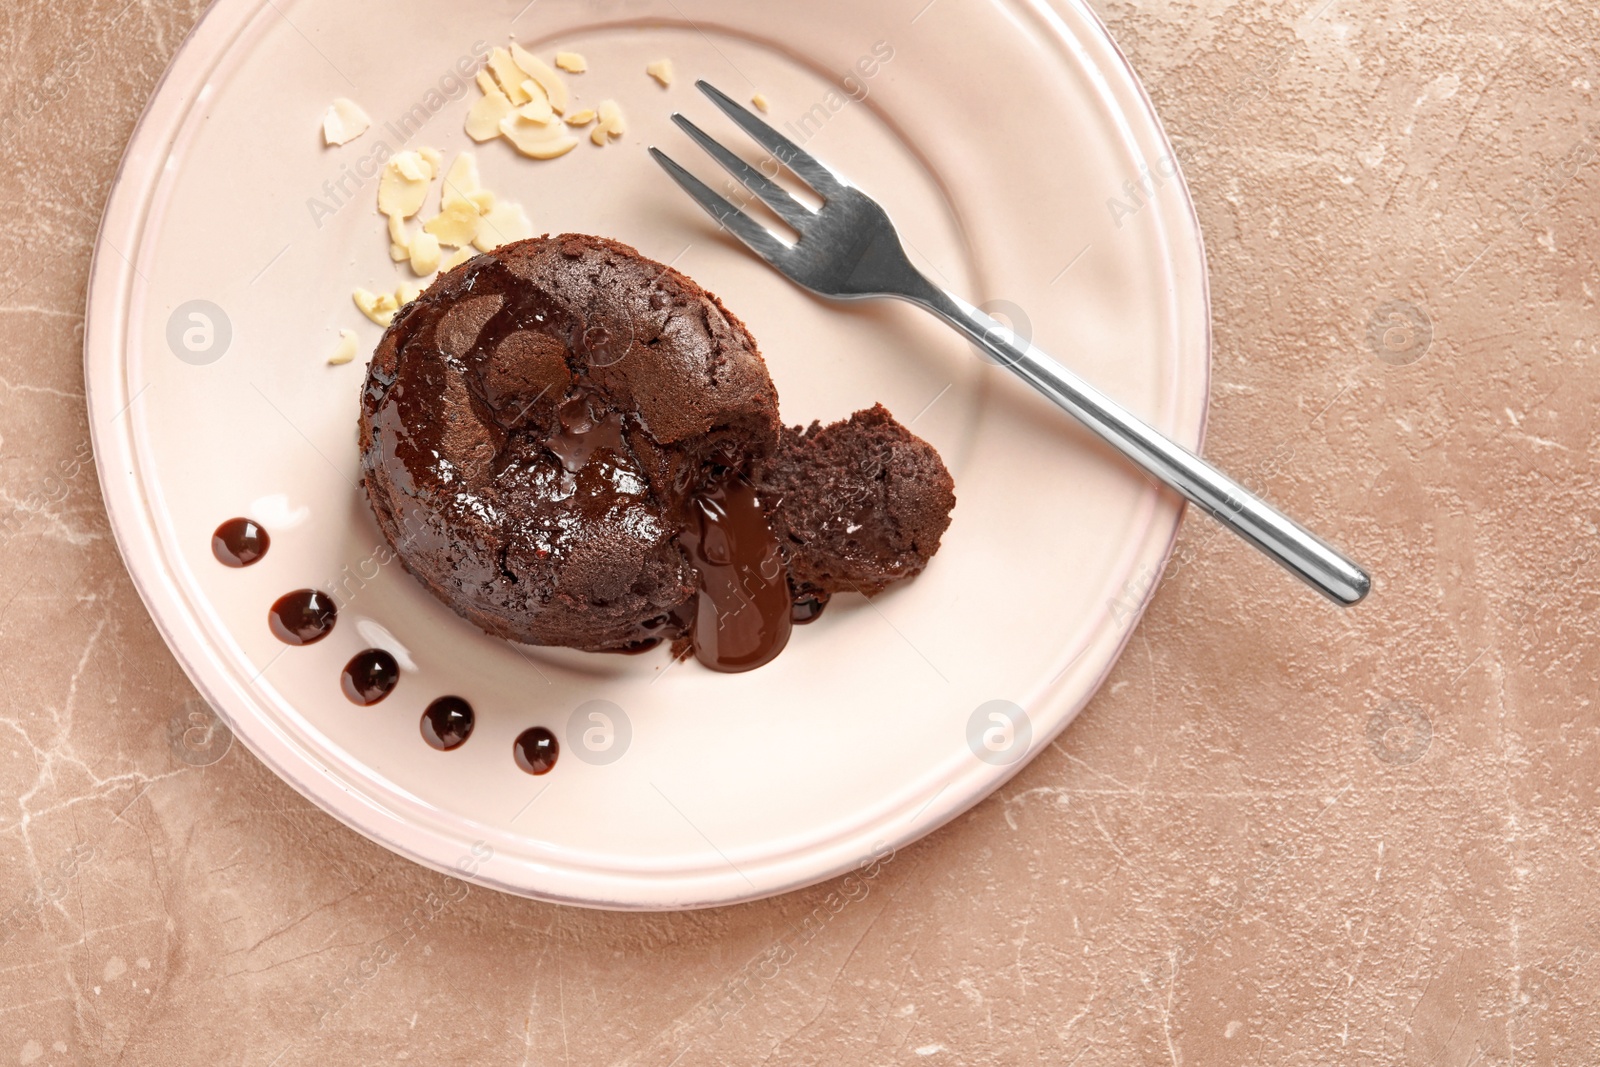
{"x": 486, "y": 82}
{"x": 537, "y": 140}
{"x": 344, "y": 122}
{"x": 510, "y": 76}
{"x": 413, "y": 167}
{"x": 400, "y": 197}
{"x": 461, "y": 180}
{"x": 581, "y": 118}
{"x": 425, "y": 255}
{"x": 572, "y": 62}
{"x": 484, "y": 199}
{"x": 379, "y": 307}
{"x": 540, "y": 71}
{"x": 661, "y": 71}
{"x": 456, "y": 225}
{"x": 538, "y": 107}
{"x": 458, "y": 258}
{"x": 406, "y": 292}
{"x": 399, "y": 253}
{"x": 761, "y": 102}
{"x": 611, "y": 124}
{"x": 404, "y": 184}
{"x": 398, "y": 234}
{"x": 345, "y": 351}
{"x": 506, "y": 223}
{"x": 486, "y": 114}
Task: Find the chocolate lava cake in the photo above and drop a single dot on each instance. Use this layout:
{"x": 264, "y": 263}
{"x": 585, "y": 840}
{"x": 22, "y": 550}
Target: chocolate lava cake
{"x": 570, "y": 444}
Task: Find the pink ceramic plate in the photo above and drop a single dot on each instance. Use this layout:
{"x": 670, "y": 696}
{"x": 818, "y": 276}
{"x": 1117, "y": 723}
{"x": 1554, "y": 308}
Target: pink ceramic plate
{"x": 997, "y": 132}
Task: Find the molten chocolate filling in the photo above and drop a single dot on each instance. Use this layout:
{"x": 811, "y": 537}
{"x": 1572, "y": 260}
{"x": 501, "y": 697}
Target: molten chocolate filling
{"x": 743, "y": 613}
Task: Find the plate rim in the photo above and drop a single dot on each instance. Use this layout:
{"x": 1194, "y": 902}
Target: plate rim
{"x": 106, "y": 337}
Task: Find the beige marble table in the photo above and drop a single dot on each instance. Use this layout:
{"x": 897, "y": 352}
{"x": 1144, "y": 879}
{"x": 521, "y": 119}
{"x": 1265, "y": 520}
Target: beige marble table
{"x": 1281, "y": 834}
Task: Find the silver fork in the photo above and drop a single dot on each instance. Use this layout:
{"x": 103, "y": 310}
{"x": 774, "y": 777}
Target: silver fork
{"x": 849, "y": 250}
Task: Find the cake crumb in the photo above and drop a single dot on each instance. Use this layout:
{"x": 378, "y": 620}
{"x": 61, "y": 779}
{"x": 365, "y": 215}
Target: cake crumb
{"x": 572, "y": 62}
{"x": 344, "y": 122}
{"x": 661, "y": 71}
{"x": 345, "y": 352}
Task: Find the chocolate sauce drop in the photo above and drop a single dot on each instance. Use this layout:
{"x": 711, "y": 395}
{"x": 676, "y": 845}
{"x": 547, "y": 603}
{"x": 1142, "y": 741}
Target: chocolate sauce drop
{"x": 536, "y": 750}
{"x": 808, "y": 607}
{"x": 744, "y": 614}
{"x": 239, "y": 543}
{"x": 447, "y": 723}
{"x": 303, "y": 617}
{"x": 370, "y": 677}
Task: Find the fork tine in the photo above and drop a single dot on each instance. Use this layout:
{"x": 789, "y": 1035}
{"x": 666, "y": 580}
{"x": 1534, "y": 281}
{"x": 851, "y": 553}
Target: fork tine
{"x": 742, "y": 226}
{"x": 791, "y": 155}
{"x": 771, "y": 193}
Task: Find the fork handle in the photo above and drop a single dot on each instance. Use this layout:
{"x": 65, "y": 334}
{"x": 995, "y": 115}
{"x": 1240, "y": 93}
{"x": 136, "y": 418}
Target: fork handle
{"x": 1292, "y": 545}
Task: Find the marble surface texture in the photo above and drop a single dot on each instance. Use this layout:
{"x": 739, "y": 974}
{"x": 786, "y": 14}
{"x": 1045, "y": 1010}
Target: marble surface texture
{"x": 1281, "y": 834}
